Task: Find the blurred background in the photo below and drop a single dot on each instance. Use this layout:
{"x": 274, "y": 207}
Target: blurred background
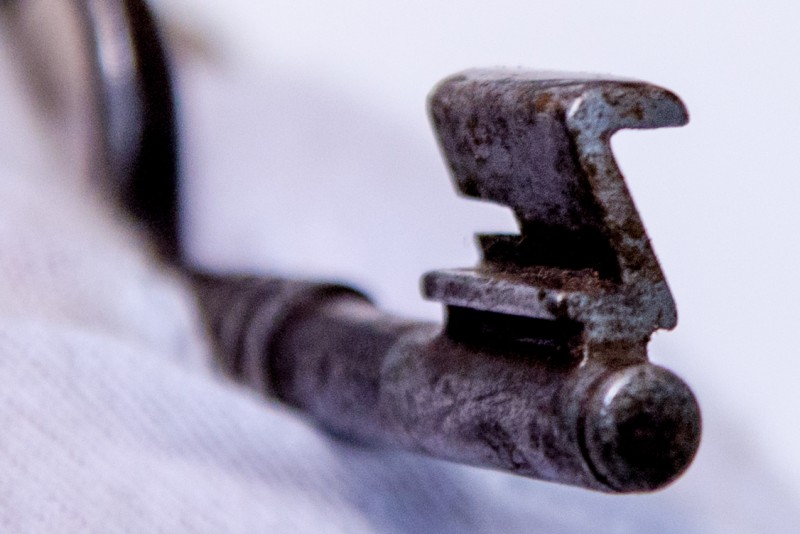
{"x": 307, "y": 150}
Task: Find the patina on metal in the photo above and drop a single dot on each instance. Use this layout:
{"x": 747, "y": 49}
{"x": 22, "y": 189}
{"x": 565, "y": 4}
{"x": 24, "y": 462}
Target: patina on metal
{"x": 541, "y": 366}
{"x": 539, "y": 143}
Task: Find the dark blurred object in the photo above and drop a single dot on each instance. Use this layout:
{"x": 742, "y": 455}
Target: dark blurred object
{"x": 132, "y": 145}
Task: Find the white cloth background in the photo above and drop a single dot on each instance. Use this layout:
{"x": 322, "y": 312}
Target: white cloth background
{"x": 111, "y": 418}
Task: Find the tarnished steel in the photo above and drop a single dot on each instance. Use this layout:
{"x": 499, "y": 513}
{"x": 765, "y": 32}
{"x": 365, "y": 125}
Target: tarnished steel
{"x": 499, "y": 391}
{"x": 538, "y": 142}
{"x": 541, "y": 366}
{"x": 245, "y": 314}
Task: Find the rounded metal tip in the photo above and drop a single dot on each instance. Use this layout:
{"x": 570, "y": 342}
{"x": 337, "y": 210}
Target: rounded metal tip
{"x": 642, "y": 429}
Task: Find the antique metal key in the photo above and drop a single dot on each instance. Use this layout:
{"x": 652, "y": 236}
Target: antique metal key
{"x": 541, "y": 366}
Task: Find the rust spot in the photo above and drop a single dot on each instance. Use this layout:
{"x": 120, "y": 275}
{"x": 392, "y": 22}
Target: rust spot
{"x": 636, "y": 112}
{"x": 542, "y": 102}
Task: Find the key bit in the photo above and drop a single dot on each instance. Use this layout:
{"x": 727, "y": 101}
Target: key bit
{"x": 538, "y": 142}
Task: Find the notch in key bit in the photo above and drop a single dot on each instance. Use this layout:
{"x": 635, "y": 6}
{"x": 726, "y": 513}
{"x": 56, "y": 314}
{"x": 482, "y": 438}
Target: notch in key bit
{"x": 538, "y": 142}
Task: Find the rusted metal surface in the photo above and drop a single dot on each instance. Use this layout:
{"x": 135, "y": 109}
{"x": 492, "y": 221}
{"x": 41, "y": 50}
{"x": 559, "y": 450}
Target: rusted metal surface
{"x": 501, "y": 391}
{"x": 541, "y": 366}
{"x": 539, "y": 143}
